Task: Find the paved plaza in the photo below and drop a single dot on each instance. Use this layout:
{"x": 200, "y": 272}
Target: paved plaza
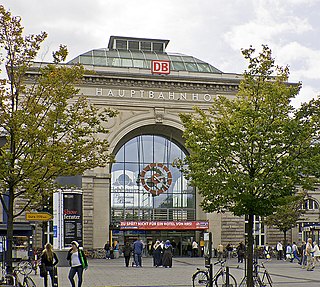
{"x": 112, "y": 273}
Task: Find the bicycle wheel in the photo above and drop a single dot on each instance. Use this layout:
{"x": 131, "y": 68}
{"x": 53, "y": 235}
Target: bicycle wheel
{"x": 200, "y": 278}
{"x": 25, "y": 267}
{"x": 267, "y": 277}
{"x": 28, "y": 282}
{"x": 221, "y": 281}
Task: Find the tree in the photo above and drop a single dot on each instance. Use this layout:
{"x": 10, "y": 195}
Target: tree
{"x": 49, "y": 130}
{"x": 250, "y": 151}
{"x": 286, "y": 216}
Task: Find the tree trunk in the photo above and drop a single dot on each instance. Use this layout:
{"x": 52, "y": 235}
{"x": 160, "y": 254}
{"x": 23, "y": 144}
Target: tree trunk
{"x": 10, "y": 230}
{"x": 285, "y": 238}
{"x": 250, "y": 252}
{"x": 285, "y": 244}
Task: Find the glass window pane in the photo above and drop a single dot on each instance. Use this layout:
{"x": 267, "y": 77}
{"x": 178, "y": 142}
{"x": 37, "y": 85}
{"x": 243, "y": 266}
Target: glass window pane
{"x": 188, "y": 59}
{"x": 133, "y": 45}
{"x": 138, "y": 55}
{"x": 113, "y": 54}
{"x": 86, "y": 60}
{"x": 192, "y": 67}
{"x": 146, "y": 46}
{"x": 99, "y": 53}
{"x": 139, "y": 64}
{"x": 176, "y": 58}
{"x": 121, "y": 44}
{"x": 126, "y": 63}
{"x": 163, "y": 56}
{"x": 100, "y": 61}
{"x": 151, "y": 56}
{"x": 157, "y": 47}
{"x": 178, "y": 66}
{"x": 204, "y": 68}
{"x": 114, "y": 62}
{"x": 125, "y": 54}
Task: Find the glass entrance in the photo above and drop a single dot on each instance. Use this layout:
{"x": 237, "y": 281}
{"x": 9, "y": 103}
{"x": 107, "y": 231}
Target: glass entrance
{"x": 145, "y": 185}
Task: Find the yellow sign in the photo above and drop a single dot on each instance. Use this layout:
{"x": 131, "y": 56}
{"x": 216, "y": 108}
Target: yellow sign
{"x": 38, "y": 216}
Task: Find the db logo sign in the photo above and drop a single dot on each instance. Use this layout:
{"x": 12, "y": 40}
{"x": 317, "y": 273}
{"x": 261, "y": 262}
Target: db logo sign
{"x": 160, "y": 67}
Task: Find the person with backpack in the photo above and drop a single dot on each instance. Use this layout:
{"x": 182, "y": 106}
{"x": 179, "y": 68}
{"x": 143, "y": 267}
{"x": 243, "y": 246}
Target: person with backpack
{"x": 78, "y": 263}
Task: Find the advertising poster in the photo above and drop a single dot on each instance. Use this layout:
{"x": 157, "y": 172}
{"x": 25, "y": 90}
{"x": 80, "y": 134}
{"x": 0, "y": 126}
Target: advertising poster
{"x": 72, "y": 218}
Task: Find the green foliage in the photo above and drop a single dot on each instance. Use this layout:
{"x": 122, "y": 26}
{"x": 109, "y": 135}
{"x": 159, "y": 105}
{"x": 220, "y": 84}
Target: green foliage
{"x": 286, "y": 216}
{"x": 250, "y": 151}
{"x": 49, "y": 129}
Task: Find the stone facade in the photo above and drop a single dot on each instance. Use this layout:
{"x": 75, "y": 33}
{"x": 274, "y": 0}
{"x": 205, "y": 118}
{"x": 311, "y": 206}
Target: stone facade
{"x": 150, "y": 104}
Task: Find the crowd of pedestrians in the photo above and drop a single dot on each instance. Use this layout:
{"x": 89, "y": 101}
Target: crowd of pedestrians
{"x": 162, "y": 252}
{"x": 307, "y": 255}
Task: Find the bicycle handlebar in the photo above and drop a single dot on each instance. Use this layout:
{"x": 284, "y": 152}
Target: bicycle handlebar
{"x": 220, "y": 262}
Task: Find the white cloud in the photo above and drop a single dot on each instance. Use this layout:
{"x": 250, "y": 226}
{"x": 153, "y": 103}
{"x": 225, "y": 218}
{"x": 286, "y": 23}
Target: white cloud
{"x": 211, "y": 30}
{"x": 306, "y": 94}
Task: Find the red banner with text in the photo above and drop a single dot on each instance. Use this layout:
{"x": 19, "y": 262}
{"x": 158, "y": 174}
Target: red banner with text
{"x": 164, "y": 225}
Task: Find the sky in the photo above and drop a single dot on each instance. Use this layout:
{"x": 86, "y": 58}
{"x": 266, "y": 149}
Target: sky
{"x": 214, "y": 31}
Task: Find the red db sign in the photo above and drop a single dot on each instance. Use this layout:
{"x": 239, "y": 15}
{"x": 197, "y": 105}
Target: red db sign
{"x": 160, "y": 67}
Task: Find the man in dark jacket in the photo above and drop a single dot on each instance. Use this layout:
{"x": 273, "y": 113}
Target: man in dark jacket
{"x": 137, "y": 250}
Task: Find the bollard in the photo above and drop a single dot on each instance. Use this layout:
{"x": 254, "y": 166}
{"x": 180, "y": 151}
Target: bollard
{"x": 227, "y": 277}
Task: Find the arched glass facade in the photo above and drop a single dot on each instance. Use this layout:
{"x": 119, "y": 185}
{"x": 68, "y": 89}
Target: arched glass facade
{"x": 146, "y": 186}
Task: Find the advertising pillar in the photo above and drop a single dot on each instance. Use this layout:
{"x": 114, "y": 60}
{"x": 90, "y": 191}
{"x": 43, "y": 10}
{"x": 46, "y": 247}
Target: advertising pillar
{"x": 67, "y": 218}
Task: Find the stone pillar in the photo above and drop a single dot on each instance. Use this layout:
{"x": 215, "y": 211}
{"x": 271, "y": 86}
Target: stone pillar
{"x": 96, "y": 208}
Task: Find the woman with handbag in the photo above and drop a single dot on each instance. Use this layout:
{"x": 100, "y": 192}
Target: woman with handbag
{"x": 77, "y": 261}
{"x": 48, "y": 262}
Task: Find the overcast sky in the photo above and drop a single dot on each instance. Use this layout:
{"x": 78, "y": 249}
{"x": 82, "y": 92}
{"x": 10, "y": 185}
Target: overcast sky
{"x": 214, "y": 31}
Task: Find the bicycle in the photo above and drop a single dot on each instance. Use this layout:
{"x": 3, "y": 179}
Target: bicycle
{"x": 202, "y": 277}
{"x": 14, "y": 279}
{"x": 258, "y": 281}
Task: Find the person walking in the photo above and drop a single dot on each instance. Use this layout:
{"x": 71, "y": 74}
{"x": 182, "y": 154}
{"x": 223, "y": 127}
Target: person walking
{"x": 127, "y": 250}
{"x": 137, "y": 250}
{"x": 279, "y": 249}
{"x": 167, "y": 255}
{"x": 78, "y": 263}
{"x": 157, "y": 254}
{"x": 266, "y": 251}
{"x": 309, "y": 250}
{"x": 289, "y": 255}
{"x": 229, "y": 249}
{"x": 189, "y": 249}
{"x": 240, "y": 252}
{"x": 220, "y": 252}
{"x": 194, "y": 249}
{"x": 107, "y": 249}
{"x": 303, "y": 261}
{"x": 295, "y": 252}
{"x": 316, "y": 253}
{"x": 49, "y": 260}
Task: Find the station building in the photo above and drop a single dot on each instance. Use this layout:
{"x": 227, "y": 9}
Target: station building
{"x": 143, "y": 193}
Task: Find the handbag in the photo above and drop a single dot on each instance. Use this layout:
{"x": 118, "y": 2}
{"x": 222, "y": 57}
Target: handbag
{"x": 43, "y": 270}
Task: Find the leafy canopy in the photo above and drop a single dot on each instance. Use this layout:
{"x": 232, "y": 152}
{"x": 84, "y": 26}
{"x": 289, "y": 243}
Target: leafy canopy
{"x": 48, "y": 129}
{"x": 248, "y": 152}
{"x": 286, "y": 216}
